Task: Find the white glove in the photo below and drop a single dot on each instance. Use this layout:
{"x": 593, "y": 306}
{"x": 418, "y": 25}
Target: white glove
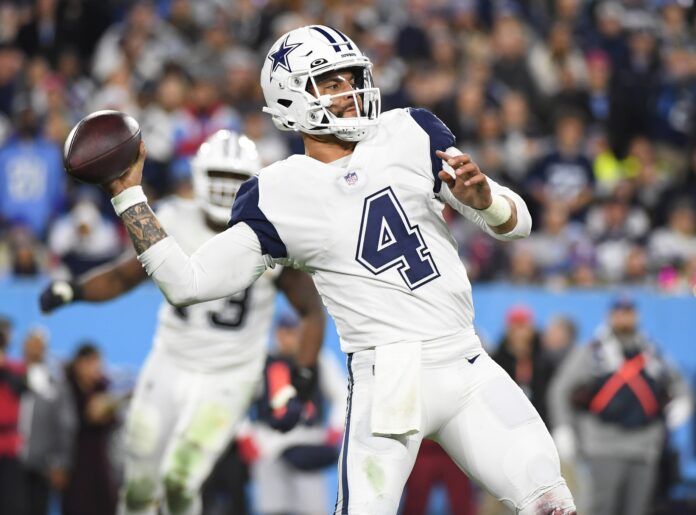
{"x": 678, "y": 411}
{"x": 566, "y": 442}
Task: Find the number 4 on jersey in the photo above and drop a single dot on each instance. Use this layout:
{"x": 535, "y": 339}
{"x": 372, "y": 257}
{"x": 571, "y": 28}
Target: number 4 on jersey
{"x": 387, "y": 239}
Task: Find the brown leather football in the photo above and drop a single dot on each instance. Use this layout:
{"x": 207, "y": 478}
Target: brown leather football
{"x": 101, "y": 147}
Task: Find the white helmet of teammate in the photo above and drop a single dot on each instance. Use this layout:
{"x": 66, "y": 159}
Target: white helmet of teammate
{"x": 219, "y": 168}
{"x": 294, "y": 62}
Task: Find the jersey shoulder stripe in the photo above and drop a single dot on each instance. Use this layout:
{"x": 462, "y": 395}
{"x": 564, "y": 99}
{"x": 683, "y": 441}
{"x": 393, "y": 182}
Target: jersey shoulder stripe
{"x": 441, "y": 138}
{"x": 246, "y": 209}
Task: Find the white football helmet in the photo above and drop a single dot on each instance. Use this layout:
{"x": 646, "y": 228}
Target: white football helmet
{"x": 293, "y": 63}
{"x": 219, "y": 168}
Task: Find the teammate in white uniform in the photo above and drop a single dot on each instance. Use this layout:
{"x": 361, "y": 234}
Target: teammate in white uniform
{"x": 206, "y": 360}
{"x": 362, "y": 210}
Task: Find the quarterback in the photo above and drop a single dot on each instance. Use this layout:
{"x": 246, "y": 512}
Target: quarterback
{"x": 207, "y": 359}
{"x": 361, "y": 210}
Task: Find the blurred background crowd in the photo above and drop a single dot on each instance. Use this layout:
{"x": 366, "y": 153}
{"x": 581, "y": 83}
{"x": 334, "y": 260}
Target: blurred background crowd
{"x": 585, "y": 107}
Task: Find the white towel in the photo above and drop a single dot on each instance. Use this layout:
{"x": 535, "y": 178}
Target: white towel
{"x": 396, "y": 400}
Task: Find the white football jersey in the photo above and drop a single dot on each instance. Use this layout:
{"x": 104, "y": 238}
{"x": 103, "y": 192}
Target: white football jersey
{"x": 219, "y": 333}
{"x": 370, "y": 228}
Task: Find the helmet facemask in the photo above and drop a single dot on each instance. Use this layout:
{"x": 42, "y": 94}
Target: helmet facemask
{"x": 319, "y": 118}
{"x": 222, "y": 164}
{"x": 216, "y": 191}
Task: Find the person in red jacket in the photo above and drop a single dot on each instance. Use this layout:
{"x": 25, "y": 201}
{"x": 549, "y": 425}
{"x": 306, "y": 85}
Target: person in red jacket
{"x": 12, "y": 384}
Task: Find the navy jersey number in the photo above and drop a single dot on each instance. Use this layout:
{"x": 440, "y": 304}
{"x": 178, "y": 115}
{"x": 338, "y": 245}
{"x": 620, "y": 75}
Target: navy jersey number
{"x": 388, "y": 239}
{"x": 230, "y": 316}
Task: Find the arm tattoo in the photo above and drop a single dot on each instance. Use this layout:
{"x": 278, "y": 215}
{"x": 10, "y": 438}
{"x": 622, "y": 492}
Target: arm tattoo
{"x": 143, "y": 227}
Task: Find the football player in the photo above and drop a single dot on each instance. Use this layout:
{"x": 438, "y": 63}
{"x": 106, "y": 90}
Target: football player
{"x": 207, "y": 359}
{"x": 362, "y": 210}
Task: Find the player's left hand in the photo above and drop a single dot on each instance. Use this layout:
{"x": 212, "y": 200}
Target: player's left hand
{"x": 470, "y": 186}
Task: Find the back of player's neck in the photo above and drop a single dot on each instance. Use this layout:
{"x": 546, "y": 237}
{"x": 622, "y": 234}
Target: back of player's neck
{"x": 327, "y": 149}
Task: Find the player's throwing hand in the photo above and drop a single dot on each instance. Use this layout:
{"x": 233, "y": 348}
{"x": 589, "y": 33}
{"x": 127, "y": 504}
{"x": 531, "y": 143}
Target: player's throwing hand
{"x": 470, "y": 186}
{"x": 132, "y": 177}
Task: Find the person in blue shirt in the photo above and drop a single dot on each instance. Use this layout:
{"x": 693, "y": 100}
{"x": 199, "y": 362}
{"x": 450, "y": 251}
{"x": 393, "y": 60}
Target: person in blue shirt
{"x": 32, "y": 184}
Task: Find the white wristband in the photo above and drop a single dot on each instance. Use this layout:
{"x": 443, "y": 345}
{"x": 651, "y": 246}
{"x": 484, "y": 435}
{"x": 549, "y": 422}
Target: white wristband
{"x": 498, "y": 212}
{"x": 128, "y": 198}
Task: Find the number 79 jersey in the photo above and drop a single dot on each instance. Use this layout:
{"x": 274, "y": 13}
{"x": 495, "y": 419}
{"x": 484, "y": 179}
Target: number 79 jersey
{"x": 370, "y": 229}
{"x": 220, "y": 333}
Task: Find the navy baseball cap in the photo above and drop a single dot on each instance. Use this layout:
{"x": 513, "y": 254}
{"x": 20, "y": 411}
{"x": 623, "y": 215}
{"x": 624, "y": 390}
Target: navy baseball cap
{"x": 623, "y": 302}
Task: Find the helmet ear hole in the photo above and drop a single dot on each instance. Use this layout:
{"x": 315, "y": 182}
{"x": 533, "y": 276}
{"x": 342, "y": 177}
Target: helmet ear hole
{"x": 285, "y": 102}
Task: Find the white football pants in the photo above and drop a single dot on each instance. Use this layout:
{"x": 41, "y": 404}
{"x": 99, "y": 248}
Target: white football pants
{"x": 477, "y": 414}
{"x": 178, "y": 424}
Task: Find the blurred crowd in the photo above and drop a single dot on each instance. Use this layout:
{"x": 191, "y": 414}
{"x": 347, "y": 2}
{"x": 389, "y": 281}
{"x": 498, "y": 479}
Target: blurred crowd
{"x": 586, "y": 107}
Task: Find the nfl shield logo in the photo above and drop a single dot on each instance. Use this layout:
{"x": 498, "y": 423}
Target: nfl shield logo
{"x": 351, "y": 178}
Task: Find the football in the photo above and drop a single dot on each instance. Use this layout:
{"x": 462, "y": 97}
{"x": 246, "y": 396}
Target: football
{"x": 101, "y": 147}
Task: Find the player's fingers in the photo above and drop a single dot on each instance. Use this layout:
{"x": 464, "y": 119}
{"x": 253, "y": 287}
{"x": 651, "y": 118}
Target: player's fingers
{"x": 142, "y": 152}
{"x": 458, "y": 161}
{"x": 442, "y": 155}
{"x": 476, "y": 179}
{"x": 468, "y": 168}
{"x": 453, "y": 161}
{"x": 446, "y": 178}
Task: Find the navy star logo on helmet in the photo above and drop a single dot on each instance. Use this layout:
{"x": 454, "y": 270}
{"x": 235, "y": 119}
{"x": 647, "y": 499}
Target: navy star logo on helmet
{"x": 280, "y": 56}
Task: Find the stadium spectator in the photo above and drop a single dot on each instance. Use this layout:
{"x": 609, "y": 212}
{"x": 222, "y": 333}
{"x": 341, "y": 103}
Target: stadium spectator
{"x": 84, "y": 238}
{"x": 510, "y": 67}
{"x": 615, "y": 228}
{"x": 287, "y": 466}
{"x": 46, "y": 425}
{"x": 675, "y": 101}
{"x": 682, "y": 189}
{"x": 158, "y": 122}
{"x": 92, "y": 487}
{"x": 650, "y": 175}
{"x": 43, "y": 34}
{"x": 522, "y": 268}
{"x": 12, "y": 385}
{"x": 558, "y": 338}
{"x": 521, "y": 145}
{"x": 674, "y": 23}
{"x": 612, "y": 401}
{"x": 523, "y": 357}
{"x": 432, "y": 468}
{"x": 142, "y": 42}
{"x": 564, "y": 174}
{"x": 203, "y": 115}
{"x": 636, "y": 268}
{"x": 32, "y": 182}
{"x": 634, "y": 82}
{"x": 558, "y": 244}
{"x": 549, "y": 61}
{"x": 225, "y": 490}
{"x": 598, "y": 75}
{"x": 675, "y": 243}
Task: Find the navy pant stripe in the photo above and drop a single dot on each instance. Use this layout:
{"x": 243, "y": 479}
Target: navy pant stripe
{"x": 346, "y": 438}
